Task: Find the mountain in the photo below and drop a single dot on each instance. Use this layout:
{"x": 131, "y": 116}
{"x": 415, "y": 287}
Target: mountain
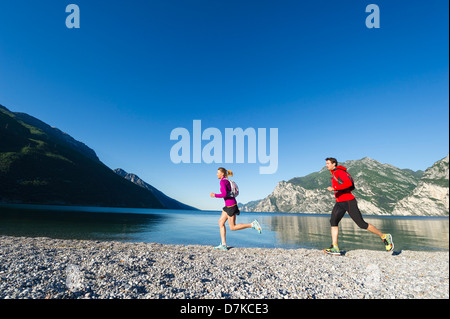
{"x": 379, "y": 189}
{"x": 57, "y": 134}
{"x": 40, "y": 164}
{"x": 431, "y": 196}
{"x": 163, "y": 198}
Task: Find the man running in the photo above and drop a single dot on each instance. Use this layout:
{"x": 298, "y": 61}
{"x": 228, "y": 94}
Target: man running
{"x": 342, "y": 185}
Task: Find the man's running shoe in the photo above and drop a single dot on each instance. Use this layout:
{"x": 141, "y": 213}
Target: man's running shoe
{"x": 221, "y": 247}
{"x": 257, "y": 226}
{"x": 332, "y": 250}
{"x": 388, "y": 242}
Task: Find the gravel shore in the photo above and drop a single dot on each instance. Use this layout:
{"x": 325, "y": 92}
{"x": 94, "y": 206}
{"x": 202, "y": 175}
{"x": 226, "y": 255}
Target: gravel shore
{"x": 44, "y": 268}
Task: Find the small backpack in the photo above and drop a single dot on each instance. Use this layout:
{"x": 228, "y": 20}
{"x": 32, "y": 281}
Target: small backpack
{"x": 349, "y": 189}
{"x": 234, "y": 191}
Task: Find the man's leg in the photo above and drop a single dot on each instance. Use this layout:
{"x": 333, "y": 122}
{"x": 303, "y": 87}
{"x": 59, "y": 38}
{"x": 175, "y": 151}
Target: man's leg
{"x": 334, "y": 234}
{"x": 355, "y": 214}
{"x": 336, "y": 215}
{"x": 374, "y": 230}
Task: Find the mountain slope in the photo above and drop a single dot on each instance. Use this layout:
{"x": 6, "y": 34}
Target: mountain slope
{"x": 42, "y": 165}
{"x": 379, "y": 187}
{"x": 57, "y": 134}
{"x": 163, "y": 198}
{"x": 431, "y": 196}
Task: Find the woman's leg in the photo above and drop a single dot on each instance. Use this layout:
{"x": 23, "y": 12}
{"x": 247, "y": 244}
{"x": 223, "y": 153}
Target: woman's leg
{"x": 233, "y": 226}
{"x": 222, "y": 220}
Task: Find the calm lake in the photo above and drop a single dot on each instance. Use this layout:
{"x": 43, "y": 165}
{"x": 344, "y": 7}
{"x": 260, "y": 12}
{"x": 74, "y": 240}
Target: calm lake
{"x": 201, "y": 228}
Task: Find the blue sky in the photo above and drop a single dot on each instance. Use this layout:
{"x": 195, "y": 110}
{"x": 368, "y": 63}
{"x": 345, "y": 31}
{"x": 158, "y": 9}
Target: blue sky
{"x": 136, "y": 70}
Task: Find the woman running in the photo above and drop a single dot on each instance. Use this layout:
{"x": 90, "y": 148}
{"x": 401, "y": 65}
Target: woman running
{"x": 230, "y": 210}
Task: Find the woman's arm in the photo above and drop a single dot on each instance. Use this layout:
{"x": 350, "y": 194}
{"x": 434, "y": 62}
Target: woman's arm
{"x": 223, "y": 190}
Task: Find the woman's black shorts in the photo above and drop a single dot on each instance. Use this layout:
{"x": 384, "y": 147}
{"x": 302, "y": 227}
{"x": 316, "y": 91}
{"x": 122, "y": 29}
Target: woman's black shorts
{"x": 231, "y": 210}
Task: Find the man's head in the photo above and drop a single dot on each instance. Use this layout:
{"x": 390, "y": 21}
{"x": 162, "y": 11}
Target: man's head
{"x": 331, "y": 163}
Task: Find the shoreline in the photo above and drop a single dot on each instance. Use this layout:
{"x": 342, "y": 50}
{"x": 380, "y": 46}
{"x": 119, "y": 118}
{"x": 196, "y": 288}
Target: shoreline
{"x": 135, "y": 210}
{"x": 45, "y": 268}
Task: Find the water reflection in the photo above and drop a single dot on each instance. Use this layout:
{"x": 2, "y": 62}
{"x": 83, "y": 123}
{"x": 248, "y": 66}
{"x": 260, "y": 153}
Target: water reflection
{"x": 201, "y": 228}
{"x": 314, "y": 232}
{"x": 76, "y": 225}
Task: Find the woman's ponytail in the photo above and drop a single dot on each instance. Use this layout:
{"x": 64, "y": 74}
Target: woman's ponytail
{"x": 225, "y": 172}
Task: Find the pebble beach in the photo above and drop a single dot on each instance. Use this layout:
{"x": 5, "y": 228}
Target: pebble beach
{"x": 44, "y": 268}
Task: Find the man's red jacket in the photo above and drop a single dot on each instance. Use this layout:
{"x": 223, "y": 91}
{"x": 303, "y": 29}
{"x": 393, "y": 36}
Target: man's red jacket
{"x": 340, "y": 182}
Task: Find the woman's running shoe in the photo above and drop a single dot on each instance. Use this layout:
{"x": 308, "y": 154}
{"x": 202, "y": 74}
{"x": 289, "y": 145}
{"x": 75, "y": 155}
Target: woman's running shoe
{"x": 388, "y": 242}
{"x": 221, "y": 247}
{"x": 257, "y": 226}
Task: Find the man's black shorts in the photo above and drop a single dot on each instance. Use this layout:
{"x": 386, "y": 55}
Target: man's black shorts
{"x": 351, "y": 207}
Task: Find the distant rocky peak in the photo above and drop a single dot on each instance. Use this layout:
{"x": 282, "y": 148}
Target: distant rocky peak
{"x": 438, "y": 172}
{"x": 120, "y": 172}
